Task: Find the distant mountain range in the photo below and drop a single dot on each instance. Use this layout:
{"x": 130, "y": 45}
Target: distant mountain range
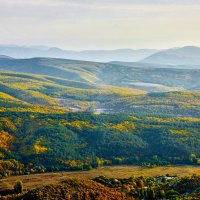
{"x": 188, "y": 55}
{"x": 6, "y": 57}
{"x": 128, "y": 55}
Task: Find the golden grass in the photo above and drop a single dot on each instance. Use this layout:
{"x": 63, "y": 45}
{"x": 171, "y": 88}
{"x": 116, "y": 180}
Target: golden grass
{"x": 35, "y": 180}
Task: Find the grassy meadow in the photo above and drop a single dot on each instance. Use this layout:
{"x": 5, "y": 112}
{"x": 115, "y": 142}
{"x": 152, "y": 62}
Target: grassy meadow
{"x": 36, "y": 180}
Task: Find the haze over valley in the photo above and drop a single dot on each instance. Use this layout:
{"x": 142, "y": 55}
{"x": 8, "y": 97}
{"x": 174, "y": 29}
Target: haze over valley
{"x": 99, "y": 100}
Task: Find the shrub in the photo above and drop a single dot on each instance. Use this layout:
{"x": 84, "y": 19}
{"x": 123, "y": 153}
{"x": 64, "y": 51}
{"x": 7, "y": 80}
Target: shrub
{"x": 18, "y": 187}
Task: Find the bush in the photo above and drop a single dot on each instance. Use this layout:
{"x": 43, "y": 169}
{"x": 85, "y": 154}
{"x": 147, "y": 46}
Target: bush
{"x": 18, "y": 187}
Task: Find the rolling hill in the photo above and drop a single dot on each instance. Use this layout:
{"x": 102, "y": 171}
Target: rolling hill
{"x": 155, "y": 65}
{"x": 29, "y": 89}
{"x": 41, "y": 130}
{"x": 21, "y": 91}
{"x": 143, "y": 78}
{"x": 97, "y": 87}
{"x": 102, "y": 73}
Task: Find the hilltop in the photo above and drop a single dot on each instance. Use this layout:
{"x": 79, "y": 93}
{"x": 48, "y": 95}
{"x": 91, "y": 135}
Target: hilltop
{"x": 188, "y": 55}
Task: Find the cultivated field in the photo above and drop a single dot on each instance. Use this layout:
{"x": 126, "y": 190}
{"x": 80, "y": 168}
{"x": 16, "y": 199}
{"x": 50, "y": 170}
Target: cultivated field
{"x": 35, "y": 180}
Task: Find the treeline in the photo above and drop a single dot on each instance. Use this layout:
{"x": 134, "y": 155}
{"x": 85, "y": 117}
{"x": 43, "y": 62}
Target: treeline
{"x": 160, "y": 187}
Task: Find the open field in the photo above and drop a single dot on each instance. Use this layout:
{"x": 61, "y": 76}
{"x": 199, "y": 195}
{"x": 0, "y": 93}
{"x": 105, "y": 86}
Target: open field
{"x": 35, "y": 180}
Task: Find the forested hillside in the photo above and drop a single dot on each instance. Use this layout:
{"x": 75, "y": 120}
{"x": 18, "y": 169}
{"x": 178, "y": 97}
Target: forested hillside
{"x": 99, "y": 100}
{"x": 58, "y": 114}
{"x": 51, "y": 142}
{"x": 22, "y": 91}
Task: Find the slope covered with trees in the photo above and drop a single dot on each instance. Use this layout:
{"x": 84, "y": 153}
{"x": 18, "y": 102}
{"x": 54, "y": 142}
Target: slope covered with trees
{"x": 40, "y": 133}
{"x": 52, "y": 142}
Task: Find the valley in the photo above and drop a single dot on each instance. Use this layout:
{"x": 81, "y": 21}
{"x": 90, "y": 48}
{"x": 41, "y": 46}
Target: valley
{"x": 87, "y": 86}
{"x": 99, "y": 100}
{"x": 70, "y": 125}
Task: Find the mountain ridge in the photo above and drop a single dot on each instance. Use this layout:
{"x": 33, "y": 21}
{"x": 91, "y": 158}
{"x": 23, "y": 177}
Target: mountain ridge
{"x": 89, "y": 55}
{"x": 187, "y": 55}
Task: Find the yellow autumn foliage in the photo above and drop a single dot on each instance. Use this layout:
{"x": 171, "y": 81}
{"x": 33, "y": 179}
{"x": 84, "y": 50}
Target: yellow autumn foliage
{"x": 174, "y": 119}
{"x": 5, "y": 122}
{"x": 134, "y": 118}
{"x": 80, "y": 125}
{"x": 38, "y": 148}
{"x": 36, "y": 109}
{"x": 7, "y": 97}
{"x": 178, "y": 132}
{"x": 5, "y": 140}
{"x": 125, "y": 126}
{"x": 188, "y": 119}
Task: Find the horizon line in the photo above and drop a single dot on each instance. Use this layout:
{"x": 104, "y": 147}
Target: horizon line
{"x": 40, "y": 46}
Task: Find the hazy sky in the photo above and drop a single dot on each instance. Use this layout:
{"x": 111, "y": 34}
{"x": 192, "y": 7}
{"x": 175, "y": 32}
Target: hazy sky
{"x": 100, "y": 24}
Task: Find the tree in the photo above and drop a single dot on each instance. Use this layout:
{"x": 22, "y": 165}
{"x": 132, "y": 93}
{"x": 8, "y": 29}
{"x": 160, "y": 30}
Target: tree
{"x": 18, "y": 187}
{"x": 162, "y": 193}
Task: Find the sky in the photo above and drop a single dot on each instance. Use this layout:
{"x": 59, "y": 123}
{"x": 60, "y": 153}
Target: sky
{"x": 100, "y": 24}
